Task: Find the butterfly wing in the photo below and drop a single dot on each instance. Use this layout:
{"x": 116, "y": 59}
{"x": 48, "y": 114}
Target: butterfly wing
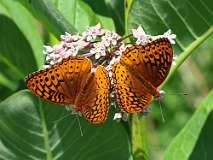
{"x": 151, "y": 61}
{"x": 61, "y": 82}
{"x": 131, "y": 93}
{"x": 92, "y": 101}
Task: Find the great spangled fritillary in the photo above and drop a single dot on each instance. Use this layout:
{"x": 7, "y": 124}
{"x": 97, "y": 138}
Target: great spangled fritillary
{"x": 141, "y": 69}
{"x": 72, "y": 82}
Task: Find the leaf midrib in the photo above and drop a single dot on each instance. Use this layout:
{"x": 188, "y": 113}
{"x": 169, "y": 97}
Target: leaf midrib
{"x": 45, "y": 132}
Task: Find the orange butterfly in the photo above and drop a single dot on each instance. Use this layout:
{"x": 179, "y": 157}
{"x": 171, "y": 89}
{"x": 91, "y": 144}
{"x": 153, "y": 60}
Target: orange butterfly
{"x": 72, "y": 82}
{"x": 141, "y": 69}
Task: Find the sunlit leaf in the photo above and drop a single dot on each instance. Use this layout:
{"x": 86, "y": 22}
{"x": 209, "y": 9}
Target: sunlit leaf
{"x": 191, "y": 135}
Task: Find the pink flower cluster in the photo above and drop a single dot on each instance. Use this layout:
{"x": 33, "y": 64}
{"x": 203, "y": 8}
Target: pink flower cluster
{"x": 97, "y": 42}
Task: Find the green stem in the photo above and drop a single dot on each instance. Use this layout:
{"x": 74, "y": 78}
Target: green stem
{"x": 127, "y": 7}
{"x": 139, "y": 150}
{"x": 182, "y": 57}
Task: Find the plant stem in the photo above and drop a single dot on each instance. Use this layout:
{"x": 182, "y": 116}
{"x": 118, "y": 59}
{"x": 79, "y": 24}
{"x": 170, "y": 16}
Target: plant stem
{"x": 139, "y": 150}
{"x": 127, "y": 7}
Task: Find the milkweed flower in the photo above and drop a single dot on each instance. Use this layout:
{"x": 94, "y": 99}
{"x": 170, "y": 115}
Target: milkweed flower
{"x": 99, "y": 49}
{"x": 142, "y": 38}
{"x": 92, "y": 32}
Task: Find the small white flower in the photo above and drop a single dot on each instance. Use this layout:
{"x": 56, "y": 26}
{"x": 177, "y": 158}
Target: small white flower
{"x": 90, "y": 38}
{"x": 110, "y": 38}
{"x": 52, "y": 62}
{"x": 93, "y": 69}
{"x": 117, "y": 116}
{"x": 67, "y": 37}
{"x": 46, "y": 66}
{"x": 91, "y": 32}
{"x": 121, "y": 49}
{"x": 106, "y": 43}
{"x": 47, "y": 49}
{"x": 138, "y": 33}
{"x": 99, "y": 50}
{"x": 59, "y": 59}
{"x": 167, "y": 35}
{"x": 48, "y": 58}
{"x": 81, "y": 44}
{"x": 113, "y": 60}
{"x": 162, "y": 92}
{"x": 97, "y": 55}
{"x": 170, "y": 36}
{"x": 110, "y": 74}
{"x": 114, "y": 42}
{"x": 174, "y": 60}
{"x": 51, "y": 55}
{"x": 141, "y": 36}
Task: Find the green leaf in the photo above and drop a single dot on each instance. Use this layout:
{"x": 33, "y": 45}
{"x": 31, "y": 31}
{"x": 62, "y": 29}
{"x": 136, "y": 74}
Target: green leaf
{"x": 77, "y": 13}
{"x": 30, "y": 130}
{"x": 16, "y": 53}
{"x": 183, "y": 144}
{"x": 85, "y": 13}
{"x": 45, "y": 11}
{"x": 110, "y": 12}
{"x": 21, "y": 39}
{"x": 188, "y": 20}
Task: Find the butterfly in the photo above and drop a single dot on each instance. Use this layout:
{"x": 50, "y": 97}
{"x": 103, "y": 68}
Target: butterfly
{"x": 141, "y": 69}
{"x": 73, "y": 82}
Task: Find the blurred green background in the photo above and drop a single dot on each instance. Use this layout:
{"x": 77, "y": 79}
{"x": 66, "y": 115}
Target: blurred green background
{"x": 27, "y": 25}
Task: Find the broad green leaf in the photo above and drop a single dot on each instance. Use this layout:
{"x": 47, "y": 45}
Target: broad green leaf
{"x": 110, "y": 12}
{"x": 81, "y": 14}
{"x": 203, "y": 147}
{"x": 31, "y": 129}
{"x": 16, "y": 58}
{"x": 191, "y": 135}
{"x": 4, "y": 81}
{"x": 77, "y": 13}
{"x": 45, "y": 11}
{"x": 28, "y": 36}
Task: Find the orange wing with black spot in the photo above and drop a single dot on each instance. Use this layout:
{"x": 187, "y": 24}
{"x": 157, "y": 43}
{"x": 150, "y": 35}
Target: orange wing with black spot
{"x": 60, "y": 83}
{"x": 151, "y": 61}
{"x": 142, "y": 68}
{"x": 92, "y": 101}
{"x": 132, "y": 94}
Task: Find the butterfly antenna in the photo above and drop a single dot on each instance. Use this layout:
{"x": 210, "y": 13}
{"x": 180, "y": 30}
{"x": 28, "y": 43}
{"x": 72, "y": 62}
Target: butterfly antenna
{"x": 177, "y": 94}
{"x": 77, "y": 117}
{"x": 163, "y": 119}
{"x": 60, "y": 119}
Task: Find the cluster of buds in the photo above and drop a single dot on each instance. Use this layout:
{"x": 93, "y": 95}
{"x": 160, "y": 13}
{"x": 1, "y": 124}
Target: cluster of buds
{"x": 102, "y": 44}
{"x": 94, "y": 42}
